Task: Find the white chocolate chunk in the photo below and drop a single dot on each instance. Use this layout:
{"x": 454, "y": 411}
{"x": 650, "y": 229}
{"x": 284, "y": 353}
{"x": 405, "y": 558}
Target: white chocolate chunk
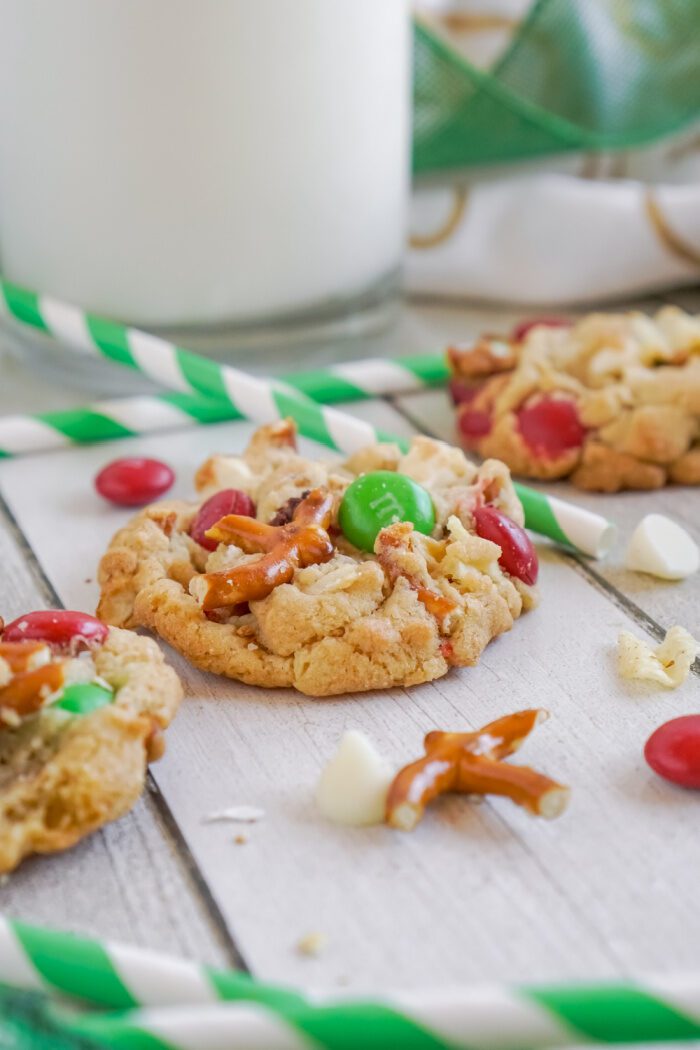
{"x": 353, "y": 786}
{"x": 662, "y": 548}
{"x": 669, "y": 664}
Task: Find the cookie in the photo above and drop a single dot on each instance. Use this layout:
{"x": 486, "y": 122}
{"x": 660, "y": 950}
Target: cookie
{"x": 611, "y": 401}
{"x": 285, "y": 599}
{"x": 80, "y": 719}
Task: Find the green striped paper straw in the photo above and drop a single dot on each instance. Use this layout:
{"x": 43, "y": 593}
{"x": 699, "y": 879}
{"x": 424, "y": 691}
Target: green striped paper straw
{"x": 154, "y": 1002}
{"x": 345, "y": 381}
{"x": 266, "y": 400}
{"x": 131, "y": 416}
{"x": 108, "y": 421}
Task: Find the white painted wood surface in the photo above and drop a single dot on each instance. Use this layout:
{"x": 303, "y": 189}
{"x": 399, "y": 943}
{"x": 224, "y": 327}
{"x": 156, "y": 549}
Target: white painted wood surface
{"x": 479, "y": 891}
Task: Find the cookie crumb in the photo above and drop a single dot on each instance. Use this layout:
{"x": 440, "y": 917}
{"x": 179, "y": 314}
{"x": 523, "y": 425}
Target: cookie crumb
{"x": 240, "y": 840}
{"x": 312, "y": 944}
{"x": 242, "y": 814}
{"x": 668, "y": 664}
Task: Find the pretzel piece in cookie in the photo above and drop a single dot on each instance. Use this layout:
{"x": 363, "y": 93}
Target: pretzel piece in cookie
{"x": 472, "y": 763}
{"x": 302, "y": 542}
{"x": 395, "y": 556}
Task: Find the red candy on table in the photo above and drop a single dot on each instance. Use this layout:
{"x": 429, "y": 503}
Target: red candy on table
{"x": 228, "y": 501}
{"x": 60, "y": 627}
{"x": 520, "y": 330}
{"x": 551, "y": 426}
{"x": 473, "y": 424}
{"x": 461, "y": 391}
{"x": 673, "y": 751}
{"x": 133, "y": 481}
{"x": 518, "y": 556}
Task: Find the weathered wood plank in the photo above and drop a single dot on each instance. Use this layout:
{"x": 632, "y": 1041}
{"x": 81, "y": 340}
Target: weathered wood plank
{"x": 130, "y": 881}
{"x": 479, "y": 891}
{"x": 664, "y": 602}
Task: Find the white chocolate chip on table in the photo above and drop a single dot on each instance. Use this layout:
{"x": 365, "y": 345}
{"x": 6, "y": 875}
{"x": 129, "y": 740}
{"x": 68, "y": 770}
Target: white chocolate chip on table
{"x": 353, "y": 786}
{"x": 660, "y": 546}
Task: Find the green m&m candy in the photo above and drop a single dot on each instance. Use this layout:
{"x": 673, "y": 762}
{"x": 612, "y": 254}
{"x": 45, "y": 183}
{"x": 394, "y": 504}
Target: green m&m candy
{"x": 381, "y": 498}
{"x": 82, "y": 698}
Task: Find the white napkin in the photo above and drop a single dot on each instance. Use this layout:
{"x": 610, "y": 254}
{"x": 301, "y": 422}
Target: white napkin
{"x": 554, "y": 238}
{"x": 572, "y": 229}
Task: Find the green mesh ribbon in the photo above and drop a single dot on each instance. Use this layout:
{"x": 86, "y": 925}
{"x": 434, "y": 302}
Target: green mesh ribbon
{"x": 579, "y": 75}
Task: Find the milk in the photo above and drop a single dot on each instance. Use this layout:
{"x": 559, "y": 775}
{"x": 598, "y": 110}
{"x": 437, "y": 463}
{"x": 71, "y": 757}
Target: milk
{"x": 196, "y": 161}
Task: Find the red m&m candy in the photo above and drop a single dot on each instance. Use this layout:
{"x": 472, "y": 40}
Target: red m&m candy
{"x": 673, "y": 751}
{"x": 518, "y": 556}
{"x": 551, "y": 426}
{"x": 60, "y": 627}
{"x": 473, "y": 424}
{"x": 228, "y": 501}
{"x": 133, "y": 481}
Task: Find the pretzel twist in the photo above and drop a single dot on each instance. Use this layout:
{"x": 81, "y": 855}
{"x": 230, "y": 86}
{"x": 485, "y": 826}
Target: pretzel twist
{"x": 472, "y": 763}
{"x": 285, "y": 548}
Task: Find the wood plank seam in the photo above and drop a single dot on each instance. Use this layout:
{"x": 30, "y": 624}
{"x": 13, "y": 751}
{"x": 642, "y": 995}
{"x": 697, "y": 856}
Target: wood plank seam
{"x": 622, "y": 601}
{"x": 39, "y": 577}
{"x": 197, "y": 879}
{"x": 177, "y": 840}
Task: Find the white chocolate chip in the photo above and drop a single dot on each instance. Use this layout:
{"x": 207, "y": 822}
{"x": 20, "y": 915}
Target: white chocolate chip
{"x": 353, "y": 786}
{"x": 662, "y": 548}
{"x": 669, "y": 664}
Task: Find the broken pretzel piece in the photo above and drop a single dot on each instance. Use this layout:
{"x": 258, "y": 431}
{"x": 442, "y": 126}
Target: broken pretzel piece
{"x": 303, "y": 541}
{"x": 396, "y": 557}
{"x": 31, "y": 677}
{"x": 472, "y": 763}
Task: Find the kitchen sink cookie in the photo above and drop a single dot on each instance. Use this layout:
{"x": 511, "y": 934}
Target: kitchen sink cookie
{"x": 611, "y": 401}
{"x": 330, "y": 577}
{"x": 83, "y": 707}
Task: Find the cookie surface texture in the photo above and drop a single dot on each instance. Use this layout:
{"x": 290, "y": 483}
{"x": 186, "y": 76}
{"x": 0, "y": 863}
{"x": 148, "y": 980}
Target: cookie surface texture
{"x": 611, "y": 401}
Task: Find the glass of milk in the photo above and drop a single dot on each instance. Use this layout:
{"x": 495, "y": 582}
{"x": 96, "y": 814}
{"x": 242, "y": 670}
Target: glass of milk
{"x": 204, "y": 162}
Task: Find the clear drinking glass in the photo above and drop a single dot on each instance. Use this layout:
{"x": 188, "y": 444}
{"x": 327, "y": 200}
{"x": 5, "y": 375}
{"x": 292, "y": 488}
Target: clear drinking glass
{"x": 234, "y": 169}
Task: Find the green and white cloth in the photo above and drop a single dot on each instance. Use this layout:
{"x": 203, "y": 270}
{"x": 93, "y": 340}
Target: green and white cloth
{"x": 587, "y": 117}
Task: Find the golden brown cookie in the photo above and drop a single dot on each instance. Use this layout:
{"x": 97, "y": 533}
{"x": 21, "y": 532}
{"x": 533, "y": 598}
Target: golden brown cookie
{"x": 304, "y": 607}
{"x": 64, "y": 773}
{"x": 611, "y": 401}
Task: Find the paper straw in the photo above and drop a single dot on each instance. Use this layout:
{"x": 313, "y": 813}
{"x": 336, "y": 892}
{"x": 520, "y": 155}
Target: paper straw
{"x": 129, "y": 417}
{"x": 346, "y": 381}
{"x": 108, "y": 421}
{"x": 177, "y": 1005}
{"x": 265, "y": 401}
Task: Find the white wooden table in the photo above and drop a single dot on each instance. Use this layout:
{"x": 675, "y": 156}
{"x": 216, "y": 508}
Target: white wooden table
{"x": 478, "y": 891}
